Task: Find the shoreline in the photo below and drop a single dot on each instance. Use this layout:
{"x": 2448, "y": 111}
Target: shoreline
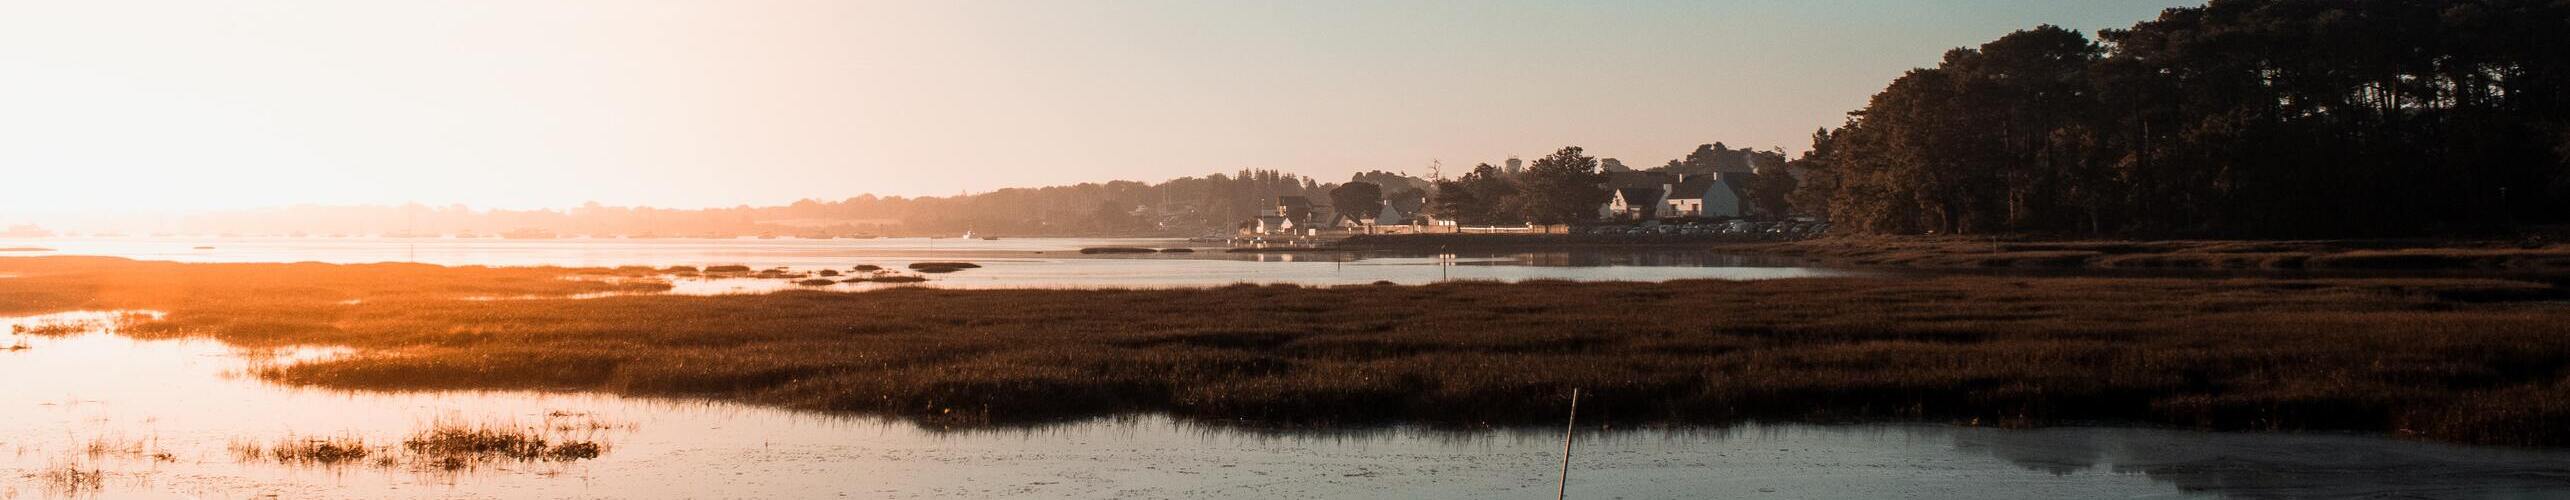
{"x": 2023, "y": 253}
{"x": 2462, "y": 360}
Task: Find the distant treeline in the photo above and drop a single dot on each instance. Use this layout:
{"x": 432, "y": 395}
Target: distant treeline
{"x": 2241, "y": 118}
{"x": 1185, "y": 206}
{"x": 1191, "y": 205}
{"x": 1568, "y": 186}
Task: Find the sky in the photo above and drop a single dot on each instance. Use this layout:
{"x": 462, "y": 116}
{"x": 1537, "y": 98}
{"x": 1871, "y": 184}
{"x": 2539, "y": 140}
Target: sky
{"x": 124, "y": 106}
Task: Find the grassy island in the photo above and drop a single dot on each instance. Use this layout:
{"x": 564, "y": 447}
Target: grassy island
{"x": 2469, "y": 360}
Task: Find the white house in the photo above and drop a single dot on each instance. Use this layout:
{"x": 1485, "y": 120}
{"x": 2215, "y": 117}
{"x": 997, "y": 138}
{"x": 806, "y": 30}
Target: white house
{"x": 1716, "y": 195}
{"x": 1729, "y": 195}
{"x": 1271, "y": 224}
{"x": 1650, "y": 195}
{"x": 1632, "y": 203}
{"x": 1686, "y": 197}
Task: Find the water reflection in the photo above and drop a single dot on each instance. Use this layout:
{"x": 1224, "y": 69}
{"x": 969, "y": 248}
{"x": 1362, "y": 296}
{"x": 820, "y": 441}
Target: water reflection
{"x": 2254, "y": 465}
{"x": 1658, "y": 258}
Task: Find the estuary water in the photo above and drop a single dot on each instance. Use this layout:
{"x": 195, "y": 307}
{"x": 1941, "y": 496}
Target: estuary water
{"x": 92, "y": 414}
{"x": 1006, "y": 263}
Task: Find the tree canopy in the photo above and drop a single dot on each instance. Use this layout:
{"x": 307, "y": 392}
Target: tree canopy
{"x": 2240, "y": 117}
{"x": 1362, "y": 200}
{"x": 1562, "y": 188}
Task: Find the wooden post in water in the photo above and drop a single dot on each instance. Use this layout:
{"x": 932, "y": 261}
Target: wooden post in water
{"x": 1568, "y": 430}
{"x": 1444, "y": 261}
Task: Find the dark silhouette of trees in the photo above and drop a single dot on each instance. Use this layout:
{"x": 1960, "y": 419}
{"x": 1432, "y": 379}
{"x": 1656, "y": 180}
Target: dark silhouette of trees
{"x": 1815, "y": 181}
{"x": 1771, "y": 191}
{"x": 1561, "y": 188}
{"x": 1389, "y": 181}
{"x": 1361, "y": 200}
{"x": 1184, "y": 206}
{"x": 1484, "y": 196}
{"x": 1113, "y": 216}
{"x": 1453, "y": 201}
{"x": 1717, "y": 157}
{"x": 2240, "y": 118}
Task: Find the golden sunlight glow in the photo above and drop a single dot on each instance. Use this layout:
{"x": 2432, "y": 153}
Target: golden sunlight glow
{"x": 150, "y": 106}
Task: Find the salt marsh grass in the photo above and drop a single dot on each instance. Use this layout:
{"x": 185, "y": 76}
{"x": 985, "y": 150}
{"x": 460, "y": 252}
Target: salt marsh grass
{"x": 2472, "y": 360}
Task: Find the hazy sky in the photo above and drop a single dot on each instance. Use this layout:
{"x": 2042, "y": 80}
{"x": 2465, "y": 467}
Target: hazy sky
{"x": 111, "y": 105}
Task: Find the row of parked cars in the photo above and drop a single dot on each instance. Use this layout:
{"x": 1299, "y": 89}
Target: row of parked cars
{"x": 1785, "y": 229}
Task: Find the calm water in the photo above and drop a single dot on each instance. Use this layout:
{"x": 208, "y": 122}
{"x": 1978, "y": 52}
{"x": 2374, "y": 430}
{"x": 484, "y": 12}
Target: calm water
{"x": 1008, "y": 263}
{"x": 157, "y": 419}
{"x": 160, "y": 419}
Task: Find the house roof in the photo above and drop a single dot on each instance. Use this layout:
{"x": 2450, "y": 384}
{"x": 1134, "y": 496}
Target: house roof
{"x": 1693, "y": 188}
{"x": 1395, "y": 211}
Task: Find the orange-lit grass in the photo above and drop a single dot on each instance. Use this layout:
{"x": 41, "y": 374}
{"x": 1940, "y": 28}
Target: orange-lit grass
{"x": 2467, "y": 360}
{"x": 70, "y": 478}
{"x": 1959, "y": 252}
{"x": 445, "y": 445}
{"x": 323, "y": 451}
{"x": 450, "y": 442}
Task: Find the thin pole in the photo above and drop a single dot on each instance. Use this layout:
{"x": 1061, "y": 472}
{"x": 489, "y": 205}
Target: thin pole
{"x": 1445, "y": 261}
{"x": 1568, "y": 431}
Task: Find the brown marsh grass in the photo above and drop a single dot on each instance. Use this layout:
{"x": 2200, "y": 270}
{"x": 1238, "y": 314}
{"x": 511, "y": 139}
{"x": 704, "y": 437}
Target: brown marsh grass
{"x": 301, "y": 450}
{"x": 2472, "y": 360}
{"x": 70, "y": 478}
{"x": 942, "y": 267}
{"x": 57, "y": 328}
{"x": 1964, "y": 252}
{"x": 126, "y": 447}
{"x": 885, "y": 278}
{"x": 445, "y": 445}
{"x": 449, "y": 442}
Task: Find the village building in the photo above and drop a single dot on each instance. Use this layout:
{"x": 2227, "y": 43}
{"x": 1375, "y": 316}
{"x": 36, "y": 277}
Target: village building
{"x": 1292, "y": 215}
{"x": 1719, "y": 195}
{"x": 1644, "y": 195}
{"x": 1272, "y": 224}
{"x": 1632, "y": 204}
{"x": 1293, "y": 207}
